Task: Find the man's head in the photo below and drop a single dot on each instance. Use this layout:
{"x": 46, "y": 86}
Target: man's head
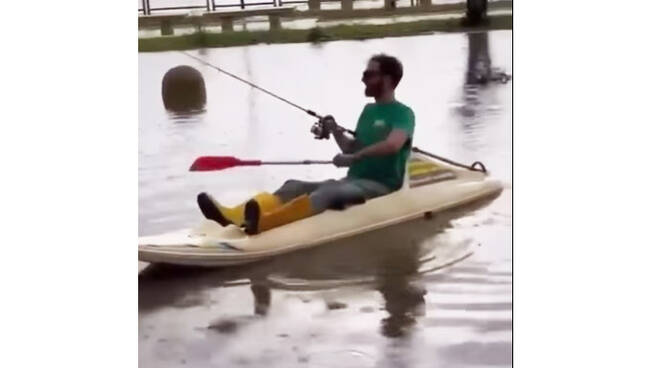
{"x": 382, "y": 75}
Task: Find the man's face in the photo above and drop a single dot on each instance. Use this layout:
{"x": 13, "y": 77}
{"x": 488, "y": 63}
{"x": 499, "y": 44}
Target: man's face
{"x": 373, "y": 80}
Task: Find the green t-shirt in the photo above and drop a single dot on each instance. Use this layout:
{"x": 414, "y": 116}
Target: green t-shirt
{"x": 375, "y": 124}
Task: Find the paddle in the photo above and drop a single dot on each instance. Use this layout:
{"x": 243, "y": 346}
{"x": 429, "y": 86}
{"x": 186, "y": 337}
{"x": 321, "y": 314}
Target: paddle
{"x": 214, "y": 163}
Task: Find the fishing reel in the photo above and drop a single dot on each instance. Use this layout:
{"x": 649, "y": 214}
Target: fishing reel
{"x": 322, "y": 128}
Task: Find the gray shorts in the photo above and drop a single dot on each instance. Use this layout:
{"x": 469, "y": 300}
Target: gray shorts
{"x": 333, "y": 194}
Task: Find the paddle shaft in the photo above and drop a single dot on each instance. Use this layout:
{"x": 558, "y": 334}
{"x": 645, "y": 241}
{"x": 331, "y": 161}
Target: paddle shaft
{"x": 304, "y": 162}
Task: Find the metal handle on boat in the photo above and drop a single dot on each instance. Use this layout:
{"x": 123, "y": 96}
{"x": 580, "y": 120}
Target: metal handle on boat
{"x": 476, "y": 166}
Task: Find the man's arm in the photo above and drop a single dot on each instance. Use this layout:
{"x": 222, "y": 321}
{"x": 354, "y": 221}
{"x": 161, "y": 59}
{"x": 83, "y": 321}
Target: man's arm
{"x": 395, "y": 140}
{"x": 346, "y": 144}
{"x": 391, "y": 145}
{"x": 402, "y": 131}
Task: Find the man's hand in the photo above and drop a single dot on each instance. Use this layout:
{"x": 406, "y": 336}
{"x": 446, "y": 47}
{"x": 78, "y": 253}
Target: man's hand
{"x": 344, "y": 159}
{"x": 329, "y": 123}
{"x": 346, "y": 144}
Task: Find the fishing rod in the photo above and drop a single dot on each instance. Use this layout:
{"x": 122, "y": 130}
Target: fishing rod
{"x": 310, "y": 112}
{"x": 319, "y": 130}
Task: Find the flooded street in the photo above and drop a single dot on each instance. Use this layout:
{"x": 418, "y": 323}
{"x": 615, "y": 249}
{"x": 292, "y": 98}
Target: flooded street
{"x": 421, "y": 294}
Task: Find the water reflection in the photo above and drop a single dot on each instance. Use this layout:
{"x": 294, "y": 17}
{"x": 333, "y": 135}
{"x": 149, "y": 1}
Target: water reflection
{"x": 262, "y": 296}
{"x": 186, "y": 117}
{"x": 393, "y": 261}
{"x": 479, "y": 95}
{"x": 404, "y": 301}
{"x": 477, "y": 79}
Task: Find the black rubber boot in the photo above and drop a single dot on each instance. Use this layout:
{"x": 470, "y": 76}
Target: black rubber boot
{"x": 252, "y": 213}
{"x": 210, "y": 210}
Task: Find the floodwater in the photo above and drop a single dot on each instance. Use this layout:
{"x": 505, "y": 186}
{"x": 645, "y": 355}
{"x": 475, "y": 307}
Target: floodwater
{"x": 428, "y": 293}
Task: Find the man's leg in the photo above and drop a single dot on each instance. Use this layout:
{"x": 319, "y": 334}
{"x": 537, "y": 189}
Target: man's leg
{"x": 295, "y": 188}
{"x": 346, "y": 192}
{"x": 267, "y": 202}
{"x": 330, "y": 194}
{"x": 370, "y": 189}
{"x": 298, "y": 205}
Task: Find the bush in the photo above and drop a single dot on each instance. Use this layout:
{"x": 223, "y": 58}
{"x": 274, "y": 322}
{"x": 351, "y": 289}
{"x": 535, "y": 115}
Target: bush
{"x": 316, "y": 35}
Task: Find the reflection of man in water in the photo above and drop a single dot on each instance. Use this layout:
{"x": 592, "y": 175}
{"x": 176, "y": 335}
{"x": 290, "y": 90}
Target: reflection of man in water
{"x": 261, "y": 294}
{"x": 390, "y": 259}
{"x": 376, "y": 159}
{"x": 403, "y": 299}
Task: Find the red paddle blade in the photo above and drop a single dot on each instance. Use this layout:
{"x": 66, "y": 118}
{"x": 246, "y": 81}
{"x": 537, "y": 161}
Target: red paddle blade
{"x": 211, "y": 163}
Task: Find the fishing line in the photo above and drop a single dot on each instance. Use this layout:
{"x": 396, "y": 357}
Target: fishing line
{"x": 308, "y": 111}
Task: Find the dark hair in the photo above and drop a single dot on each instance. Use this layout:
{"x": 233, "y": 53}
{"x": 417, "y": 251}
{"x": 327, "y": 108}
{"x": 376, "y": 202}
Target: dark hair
{"x": 389, "y": 65}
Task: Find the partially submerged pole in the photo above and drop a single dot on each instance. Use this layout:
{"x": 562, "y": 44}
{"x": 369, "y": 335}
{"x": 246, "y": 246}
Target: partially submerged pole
{"x": 476, "y": 11}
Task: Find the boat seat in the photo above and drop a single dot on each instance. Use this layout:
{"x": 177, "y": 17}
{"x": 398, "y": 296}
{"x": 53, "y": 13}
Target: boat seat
{"x": 346, "y": 202}
{"x": 419, "y": 171}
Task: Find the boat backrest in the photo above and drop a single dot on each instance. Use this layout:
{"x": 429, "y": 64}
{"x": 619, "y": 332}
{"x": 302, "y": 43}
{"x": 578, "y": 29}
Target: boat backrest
{"x": 406, "y": 177}
{"x": 421, "y": 171}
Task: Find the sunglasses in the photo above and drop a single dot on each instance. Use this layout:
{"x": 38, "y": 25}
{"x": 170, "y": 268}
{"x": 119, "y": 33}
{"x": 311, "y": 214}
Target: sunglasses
{"x": 367, "y": 74}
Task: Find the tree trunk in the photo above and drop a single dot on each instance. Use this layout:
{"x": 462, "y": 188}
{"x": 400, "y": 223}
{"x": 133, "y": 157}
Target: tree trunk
{"x": 476, "y": 10}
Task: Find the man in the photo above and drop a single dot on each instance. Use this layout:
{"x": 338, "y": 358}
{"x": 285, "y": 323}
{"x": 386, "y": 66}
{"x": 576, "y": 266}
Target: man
{"x": 376, "y": 159}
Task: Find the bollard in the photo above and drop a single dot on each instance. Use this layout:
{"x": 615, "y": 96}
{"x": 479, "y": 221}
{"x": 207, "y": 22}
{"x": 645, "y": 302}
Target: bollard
{"x": 183, "y": 89}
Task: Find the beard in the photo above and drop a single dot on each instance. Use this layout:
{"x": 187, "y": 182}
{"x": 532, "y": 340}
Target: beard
{"x": 373, "y": 90}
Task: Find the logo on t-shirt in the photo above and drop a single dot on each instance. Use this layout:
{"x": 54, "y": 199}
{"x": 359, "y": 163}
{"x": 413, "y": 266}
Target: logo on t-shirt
{"x": 379, "y": 123}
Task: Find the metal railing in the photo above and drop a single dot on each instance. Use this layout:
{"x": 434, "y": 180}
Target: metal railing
{"x": 242, "y": 4}
{"x": 146, "y": 8}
